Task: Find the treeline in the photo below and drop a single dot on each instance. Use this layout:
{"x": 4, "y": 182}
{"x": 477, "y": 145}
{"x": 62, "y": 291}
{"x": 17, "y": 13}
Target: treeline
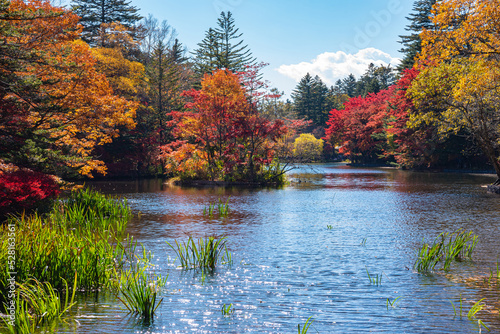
{"x": 96, "y": 89}
{"x": 437, "y": 110}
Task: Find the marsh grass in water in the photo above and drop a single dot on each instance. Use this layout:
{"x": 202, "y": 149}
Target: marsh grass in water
{"x": 71, "y": 238}
{"x": 374, "y": 279}
{"x": 227, "y": 310}
{"x": 496, "y": 274}
{"x": 80, "y": 240}
{"x": 221, "y": 208}
{"x": 446, "y": 248}
{"x": 204, "y": 253}
{"x": 471, "y": 315}
{"x": 306, "y": 326}
{"x": 392, "y": 303}
{"x": 139, "y": 288}
{"x": 38, "y": 304}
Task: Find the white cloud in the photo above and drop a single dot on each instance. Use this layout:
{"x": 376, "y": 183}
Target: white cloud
{"x": 331, "y": 66}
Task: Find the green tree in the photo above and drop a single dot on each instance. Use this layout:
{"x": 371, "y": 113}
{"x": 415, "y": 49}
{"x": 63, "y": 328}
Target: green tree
{"x": 94, "y": 13}
{"x": 222, "y": 48}
{"x": 168, "y": 75}
{"x": 311, "y": 100}
{"x": 375, "y": 79}
{"x": 412, "y": 43}
{"x": 348, "y": 85}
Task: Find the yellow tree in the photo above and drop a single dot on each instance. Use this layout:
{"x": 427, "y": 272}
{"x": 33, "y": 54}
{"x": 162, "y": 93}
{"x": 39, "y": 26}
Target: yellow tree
{"x": 125, "y": 76}
{"x": 457, "y": 88}
{"x": 307, "y": 147}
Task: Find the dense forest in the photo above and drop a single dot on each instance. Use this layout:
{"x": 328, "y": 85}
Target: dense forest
{"x": 96, "y": 90}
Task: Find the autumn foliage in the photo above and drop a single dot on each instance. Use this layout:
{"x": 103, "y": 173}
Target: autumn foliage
{"x": 65, "y": 105}
{"x": 222, "y": 136}
{"x": 457, "y": 87}
{"x": 25, "y": 190}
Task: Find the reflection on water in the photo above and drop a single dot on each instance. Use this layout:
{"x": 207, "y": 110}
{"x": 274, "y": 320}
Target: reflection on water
{"x": 289, "y": 266}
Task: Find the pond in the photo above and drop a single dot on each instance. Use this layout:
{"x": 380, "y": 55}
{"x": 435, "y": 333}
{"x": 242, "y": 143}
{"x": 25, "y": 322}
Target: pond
{"x": 306, "y": 250}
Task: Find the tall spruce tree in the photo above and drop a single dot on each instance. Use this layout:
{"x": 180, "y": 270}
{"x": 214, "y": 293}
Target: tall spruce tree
{"x": 419, "y": 20}
{"x": 311, "y": 99}
{"x": 168, "y": 74}
{"x": 93, "y": 13}
{"x": 222, "y": 47}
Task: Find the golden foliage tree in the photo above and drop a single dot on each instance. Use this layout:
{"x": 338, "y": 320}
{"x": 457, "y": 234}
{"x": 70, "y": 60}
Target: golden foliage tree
{"x": 68, "y": 107}
{"x": 458, "y": 86}
{"x": 307, "y": 147}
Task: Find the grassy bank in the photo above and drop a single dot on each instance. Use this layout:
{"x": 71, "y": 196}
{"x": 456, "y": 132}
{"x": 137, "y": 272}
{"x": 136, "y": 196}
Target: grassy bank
{"x": 79, "y": 243}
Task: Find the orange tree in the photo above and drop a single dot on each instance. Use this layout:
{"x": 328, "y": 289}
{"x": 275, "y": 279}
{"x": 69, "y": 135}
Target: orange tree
{"x": 55, "y": 106}
{"x": 222, "y": 136}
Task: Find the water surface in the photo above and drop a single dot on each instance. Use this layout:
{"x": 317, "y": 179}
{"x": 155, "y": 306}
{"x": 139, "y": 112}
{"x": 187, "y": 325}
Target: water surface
{"x": 305, "y": 250}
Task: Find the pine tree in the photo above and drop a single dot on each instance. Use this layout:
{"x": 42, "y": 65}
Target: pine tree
{"x": 375, "y": 79}
{"x": 349, "y": 85}
{"x": 93, "y": 13}
{"x": 168, "y": 74}
{"x": 222, "y": 48}
{"x": 311, "y": 99}
{"x": 419, "y": 20}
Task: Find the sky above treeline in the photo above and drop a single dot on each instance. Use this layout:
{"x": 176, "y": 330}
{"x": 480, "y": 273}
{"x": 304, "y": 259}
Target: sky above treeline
{"x": 329, "y": 38}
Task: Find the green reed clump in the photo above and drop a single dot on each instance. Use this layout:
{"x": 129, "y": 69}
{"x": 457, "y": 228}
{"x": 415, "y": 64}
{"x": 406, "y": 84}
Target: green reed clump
{"x": 205, "y": 253}
{"x": 91, "y": 210}
{"x": 374, "y": 279}
{"x": 446, "y": 248}
{"x": 38, "y": 304}
{"x": 227, "y": 309}
{"x": 72, "y": 238}
{"x": 139, "y": 288}
{"x": 221, "y": 208}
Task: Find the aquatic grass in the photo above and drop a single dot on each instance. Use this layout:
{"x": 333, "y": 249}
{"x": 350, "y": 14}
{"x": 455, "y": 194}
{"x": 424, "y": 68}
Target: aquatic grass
{"x": 53, "y": 254}
{"x": 446, "y": 248}
{"x": 70, "y": 239}
{"x": 306, "y": 326}
{"x": 393, "y": 303}
{"x": 39, "y": 304}
{"x": 374, "y": 279}
{"x": 471, "y": 315}
{"x": 90, "y": 210}
{"x": 330, "y": 227}
{"x": 497, "y": 274}
{"x": 460, "y": 246}
{"x": 363, "y": 242}
{"x": 428, "y": 257}
{"x": 227, "y": 310}
{"x": 205, "y": 253}
{"x": 221, "y": 208}
{"x": 460, "y": 307}
{"x": 139, "y": 291}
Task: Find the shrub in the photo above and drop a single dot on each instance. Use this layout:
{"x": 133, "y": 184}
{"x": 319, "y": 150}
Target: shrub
{"x": 25, "y": 190}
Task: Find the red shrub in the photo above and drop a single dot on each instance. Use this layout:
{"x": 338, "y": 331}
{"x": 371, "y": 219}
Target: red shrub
{"x": 25, "y": 190}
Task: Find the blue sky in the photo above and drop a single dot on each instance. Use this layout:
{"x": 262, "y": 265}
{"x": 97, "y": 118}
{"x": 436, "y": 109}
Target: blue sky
{"x": 328, "y": 38}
